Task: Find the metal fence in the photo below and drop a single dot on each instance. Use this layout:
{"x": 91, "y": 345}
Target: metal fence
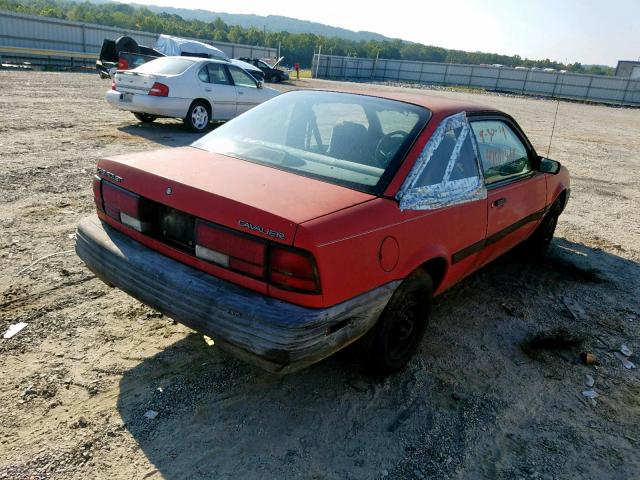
{"x": 594, "y": 88}
{"x": 32, "y": 37}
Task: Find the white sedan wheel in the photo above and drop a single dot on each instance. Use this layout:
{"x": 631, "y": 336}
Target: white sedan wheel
{"x": 199, "y": 117}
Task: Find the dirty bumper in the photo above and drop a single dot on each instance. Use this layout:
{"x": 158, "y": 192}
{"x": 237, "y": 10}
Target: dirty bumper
{"x": 275, "y": 335}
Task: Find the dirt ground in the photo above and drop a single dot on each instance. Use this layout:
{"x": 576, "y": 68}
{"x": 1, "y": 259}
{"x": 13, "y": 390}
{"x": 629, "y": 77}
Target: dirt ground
{"x": 480, "y": 400}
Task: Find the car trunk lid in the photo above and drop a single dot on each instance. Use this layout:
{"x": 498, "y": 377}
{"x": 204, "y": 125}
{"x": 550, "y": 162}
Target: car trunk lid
{"x": 238, "y": 194}
{"x": 134, "y": 82}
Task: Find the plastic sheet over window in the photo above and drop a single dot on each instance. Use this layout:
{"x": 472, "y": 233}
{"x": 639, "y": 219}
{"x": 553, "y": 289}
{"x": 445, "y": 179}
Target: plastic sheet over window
{"x": 440, "y": 180}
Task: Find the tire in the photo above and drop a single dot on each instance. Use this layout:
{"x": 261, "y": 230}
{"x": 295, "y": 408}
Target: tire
{"x": 397, "y": 334}
{"x": 538, "y": 243}
{"x": 144, "y": 117}
{"x": 126, "y": 44}
{"x": 198, "y": 117}
{"x": 275, "y": 79}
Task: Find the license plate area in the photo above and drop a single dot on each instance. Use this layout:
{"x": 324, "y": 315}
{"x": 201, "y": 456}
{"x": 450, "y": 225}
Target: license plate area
{"x": 176, "y": 228}
{"x": 126, "y": 97}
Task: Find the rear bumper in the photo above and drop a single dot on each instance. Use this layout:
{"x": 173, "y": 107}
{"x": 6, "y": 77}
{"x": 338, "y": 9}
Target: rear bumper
{"x": 275, "y": 335}
{"x": 161, "y": 106}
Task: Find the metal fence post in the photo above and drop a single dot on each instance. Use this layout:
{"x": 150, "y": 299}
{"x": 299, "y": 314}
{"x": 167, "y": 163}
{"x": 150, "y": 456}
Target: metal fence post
{"x": 375, "y": 63}
{"x": 498, "y": 78}
{"x": 524, "y": 84}
{"x": 555, "y": 85}
{"x": 446, "y": 70}
{"x": 586, "y": 95}
{"x": 626, "y": 90}
{"x": 318, "y": 64}
{"x": 84, "y": 38}
{"x": 470, "y": 77}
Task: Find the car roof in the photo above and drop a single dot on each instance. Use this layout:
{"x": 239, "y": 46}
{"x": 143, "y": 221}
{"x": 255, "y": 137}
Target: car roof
{"x": 438, "y": 105}
{"x": 198, "y": 59}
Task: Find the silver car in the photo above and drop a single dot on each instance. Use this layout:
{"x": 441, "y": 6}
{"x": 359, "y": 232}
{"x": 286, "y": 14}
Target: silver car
{"x": 197, "y": 90}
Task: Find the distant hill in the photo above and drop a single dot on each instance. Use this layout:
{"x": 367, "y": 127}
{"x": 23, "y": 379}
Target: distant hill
{"x": 270, "y": 23}
{"x": 297, "y": 40}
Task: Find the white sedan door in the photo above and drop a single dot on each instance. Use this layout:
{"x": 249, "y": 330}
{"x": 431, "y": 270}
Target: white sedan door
{"x": 219, "y": 90}
{"x": 247, "y": 91}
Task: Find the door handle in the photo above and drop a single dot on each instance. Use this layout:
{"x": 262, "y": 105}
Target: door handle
{"x": 240, "y": 93}
{"x": 207, "y": 89}
{"x": 499, "y": 202}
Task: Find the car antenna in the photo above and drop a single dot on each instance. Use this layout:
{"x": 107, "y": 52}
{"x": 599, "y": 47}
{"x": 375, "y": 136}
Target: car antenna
{"x": 553, "y": 129}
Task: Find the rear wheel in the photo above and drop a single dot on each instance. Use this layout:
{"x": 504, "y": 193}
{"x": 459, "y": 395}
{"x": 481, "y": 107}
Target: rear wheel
{"x": 198, "y": 116}
{"x": 144, "y": 117}
{"x": 275, "y": 79}
{"x": 391, "y": 343}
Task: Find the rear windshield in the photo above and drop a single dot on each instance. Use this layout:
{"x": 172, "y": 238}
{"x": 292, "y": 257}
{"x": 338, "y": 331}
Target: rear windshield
{"x": 352, "y": 140}
{"x": 166, "y": 66}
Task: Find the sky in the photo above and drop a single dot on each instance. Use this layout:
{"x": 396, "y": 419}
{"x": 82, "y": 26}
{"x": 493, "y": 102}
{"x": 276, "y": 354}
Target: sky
{"x": 586, "y": 31}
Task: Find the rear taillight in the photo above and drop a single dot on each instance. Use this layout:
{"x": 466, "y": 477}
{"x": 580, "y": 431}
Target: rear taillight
{"x": 159, "y": 90}
{"x": 125, "y": 207}
{"x": 123, "y": 64}
{"x": 293, "y": 269}
{"x": 113, "y": 84}
{"x": 230, "y": 250}
{"x": 288, "y": 268}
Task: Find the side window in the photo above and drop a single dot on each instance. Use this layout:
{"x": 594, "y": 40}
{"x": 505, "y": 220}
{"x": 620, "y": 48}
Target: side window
{"x": 446, "y": 172}
{"x": 203, "y": 75}
{"x": 242, "y": 78}
{"x": 502, "y": 153}
{"x": 454, "y": 158}
{"x": 217, "y": 74}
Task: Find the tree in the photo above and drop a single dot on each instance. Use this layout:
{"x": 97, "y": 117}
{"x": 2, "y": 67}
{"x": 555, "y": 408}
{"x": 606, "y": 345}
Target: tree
{"x": 298, "y": 48}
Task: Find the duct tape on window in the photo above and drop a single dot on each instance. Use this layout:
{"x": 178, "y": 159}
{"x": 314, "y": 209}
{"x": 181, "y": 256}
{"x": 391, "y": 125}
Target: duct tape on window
{"x": 429, "y": 186}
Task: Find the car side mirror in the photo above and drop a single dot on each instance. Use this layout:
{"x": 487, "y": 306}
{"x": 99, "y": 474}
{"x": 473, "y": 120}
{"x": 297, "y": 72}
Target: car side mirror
{"x": 549, "y": 166}
{"x": 260, "y": 84}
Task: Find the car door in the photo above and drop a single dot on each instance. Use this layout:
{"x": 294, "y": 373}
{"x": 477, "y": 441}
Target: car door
{"x": 444, "y": 199}
{"x": 516, "y": 193}
{"x": 247, "y": 91}
{"x": 217, "y": 87}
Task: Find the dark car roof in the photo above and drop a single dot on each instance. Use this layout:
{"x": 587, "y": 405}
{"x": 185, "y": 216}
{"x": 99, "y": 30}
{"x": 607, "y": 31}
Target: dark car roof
{"x": 438, "y": 105}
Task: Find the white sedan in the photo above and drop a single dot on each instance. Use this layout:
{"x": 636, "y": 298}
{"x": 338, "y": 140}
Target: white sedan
{"x": 198, "y": 90}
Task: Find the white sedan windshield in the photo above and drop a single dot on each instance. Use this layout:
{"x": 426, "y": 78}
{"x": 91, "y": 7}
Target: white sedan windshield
{"x": 351, "y": 140}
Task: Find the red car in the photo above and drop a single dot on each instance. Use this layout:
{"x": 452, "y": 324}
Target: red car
{"x": 321, "y": 217}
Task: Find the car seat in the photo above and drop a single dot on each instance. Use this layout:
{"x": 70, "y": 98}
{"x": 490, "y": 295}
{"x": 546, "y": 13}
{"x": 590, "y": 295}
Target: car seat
{"x": 349, "y": 141}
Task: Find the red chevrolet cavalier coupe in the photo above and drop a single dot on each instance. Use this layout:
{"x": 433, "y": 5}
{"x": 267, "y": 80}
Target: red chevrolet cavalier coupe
{"x": 320, "y": 217}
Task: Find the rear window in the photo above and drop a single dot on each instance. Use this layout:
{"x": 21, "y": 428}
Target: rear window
{"x": 166, "y": 66}
{"x": 352, "y": 140}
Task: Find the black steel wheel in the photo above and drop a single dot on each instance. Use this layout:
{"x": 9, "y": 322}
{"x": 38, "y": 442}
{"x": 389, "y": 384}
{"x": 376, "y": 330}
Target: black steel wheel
{"x": 397, "y": 335}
